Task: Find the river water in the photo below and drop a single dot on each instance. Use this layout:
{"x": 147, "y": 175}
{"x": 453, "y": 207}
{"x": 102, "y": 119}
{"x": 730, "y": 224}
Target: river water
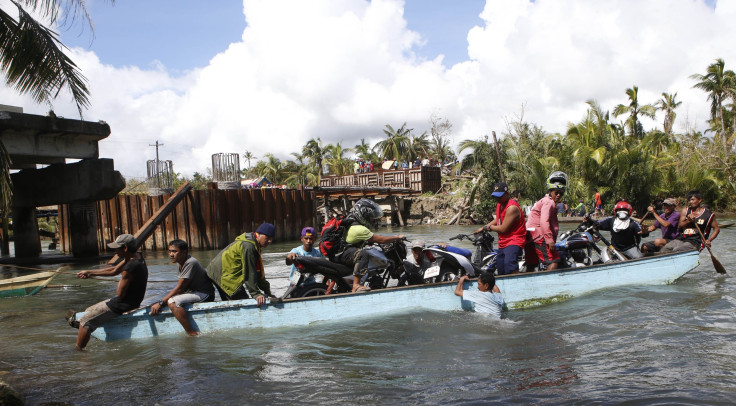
{"x": 669, "y": 344}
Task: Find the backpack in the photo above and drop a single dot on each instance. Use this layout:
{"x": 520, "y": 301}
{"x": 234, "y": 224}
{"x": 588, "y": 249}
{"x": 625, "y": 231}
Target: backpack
{"x": 332, "y": 237}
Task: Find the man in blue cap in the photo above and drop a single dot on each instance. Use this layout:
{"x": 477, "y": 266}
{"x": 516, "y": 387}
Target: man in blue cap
{"x": 305, "y": 250}
{"x": 239, "y": 267}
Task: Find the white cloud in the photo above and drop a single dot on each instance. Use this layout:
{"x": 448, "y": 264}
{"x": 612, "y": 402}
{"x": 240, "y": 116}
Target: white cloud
{"x": 342, "y": 69}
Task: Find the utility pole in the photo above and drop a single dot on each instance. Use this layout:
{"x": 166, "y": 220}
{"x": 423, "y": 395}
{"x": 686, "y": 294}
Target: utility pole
{"x": 158, "y": 170}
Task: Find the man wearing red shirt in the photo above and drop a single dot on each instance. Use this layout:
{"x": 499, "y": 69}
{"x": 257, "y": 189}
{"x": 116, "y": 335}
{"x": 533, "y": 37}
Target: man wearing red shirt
{"x": 511, "y": 228}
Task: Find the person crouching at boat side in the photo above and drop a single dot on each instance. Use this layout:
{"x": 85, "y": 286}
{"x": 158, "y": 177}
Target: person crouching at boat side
{"x": 510, "y": 225}
{"x": 542, "y": 223}
{"x": 128, "y": 295}
{"x": 193, "y": 287}
{"x": 239, "y": 267}
{"x": 625, "y": 232}
{"x": 305, "y": 250}
{"x": 667, "y": 222}
{"x": 365, "y": 212}
{"x": 487, "y": 299}
{"x": 695, "y": 215}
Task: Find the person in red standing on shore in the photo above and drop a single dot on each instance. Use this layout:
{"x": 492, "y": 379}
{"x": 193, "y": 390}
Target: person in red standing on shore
{"x": 510, "y": 225}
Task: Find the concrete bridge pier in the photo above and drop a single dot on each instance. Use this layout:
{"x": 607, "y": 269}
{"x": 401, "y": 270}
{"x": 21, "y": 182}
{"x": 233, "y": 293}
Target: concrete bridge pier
{"x": 25, "y": 231}
{"x": 83, "y": 229}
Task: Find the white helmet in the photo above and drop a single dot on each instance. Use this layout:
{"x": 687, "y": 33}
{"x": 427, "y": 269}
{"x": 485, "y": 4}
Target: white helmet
{"x": 557, "y": 180}
{"x": 366, "y": 211}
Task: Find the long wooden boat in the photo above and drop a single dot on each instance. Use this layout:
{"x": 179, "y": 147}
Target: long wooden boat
{"x": 519, "y": 291}
{"x": 26, "y": 285}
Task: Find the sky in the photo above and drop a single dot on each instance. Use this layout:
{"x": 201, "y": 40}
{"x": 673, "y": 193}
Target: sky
{"x": 266, "y": 76}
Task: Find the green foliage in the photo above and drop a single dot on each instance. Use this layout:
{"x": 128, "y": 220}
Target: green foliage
{"x": 597, "y": 153}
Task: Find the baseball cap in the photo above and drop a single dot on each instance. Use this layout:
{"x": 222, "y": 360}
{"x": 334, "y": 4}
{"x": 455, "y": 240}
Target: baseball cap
{"x": 499, "y": 189}
{"x": 122, "y": 241}
{"x": 417, "y": 244}
{"x": 670, "y": 202}
{"x": 307, "y": 231}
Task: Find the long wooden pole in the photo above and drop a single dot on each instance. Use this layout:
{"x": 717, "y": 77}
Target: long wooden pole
{"x": 498, "y": 155}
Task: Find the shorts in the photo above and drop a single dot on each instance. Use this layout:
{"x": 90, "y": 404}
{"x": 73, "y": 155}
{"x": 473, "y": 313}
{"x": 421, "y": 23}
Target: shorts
{"x": 677, "y": 245}
{"x": 507, "y": 259}
{"x": 189, "y": 297}
{"x": 97, "y": 314}
{"x": 546, "y": 256}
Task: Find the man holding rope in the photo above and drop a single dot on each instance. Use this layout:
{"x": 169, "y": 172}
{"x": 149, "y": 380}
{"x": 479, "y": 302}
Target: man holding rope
{"x": 128, "y": 295}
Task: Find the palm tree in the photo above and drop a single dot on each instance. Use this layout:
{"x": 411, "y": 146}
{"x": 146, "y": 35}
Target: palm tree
{"x": 634, "y": 110}
{"x": 668, "y": 104}
{"x": 395, "y": 144}
{"x": 338, "y": 164}
{"x": 31, "y": 55}
{"x": 418, "y": 146}
{"x": 365, "y": 152}
{"x": 301, "y": 173}
{"x": 719, "y": 84}
{"x": 247, "y": 155}
{"x": 315, "y": 152}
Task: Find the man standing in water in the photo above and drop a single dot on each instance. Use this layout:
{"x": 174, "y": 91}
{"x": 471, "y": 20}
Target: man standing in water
{"x": 487, "y": 299}
{"x": 128, "y": 295}
{"x": 511, "y": 228}
{"x": 696, "y": 215}
{"x": 239, "y": 267}
{"x": 543, "y": 223}
{"x": 194, "y": 286}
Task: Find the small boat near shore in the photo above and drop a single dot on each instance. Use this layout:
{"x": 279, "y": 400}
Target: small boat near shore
{"x": 26, "y": 285}
{"x": 520, "y": 291}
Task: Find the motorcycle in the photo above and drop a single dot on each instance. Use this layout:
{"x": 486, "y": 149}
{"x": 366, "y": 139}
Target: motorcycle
{"x": 576, "y": 246}
{"x": 319, "y": 276}
{"x": 449, "y": 263}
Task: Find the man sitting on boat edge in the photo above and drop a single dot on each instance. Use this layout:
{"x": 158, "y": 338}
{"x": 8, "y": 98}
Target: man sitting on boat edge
{"x": 307, "y": 249}
{"x": 487, "y": 299}
{"x": 128, "y": 295}
{"x": 667, "y": 222}
{"x": 194, "y": 286}
{"x": 239, "y": 267}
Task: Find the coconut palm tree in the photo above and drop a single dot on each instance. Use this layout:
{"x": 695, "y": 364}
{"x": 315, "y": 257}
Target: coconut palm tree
{"x": 301, "y": 173}
{"x": 336, "y": 161}
{"x": 315, "y": 152}
{"x": 668, "y": 104}
{"x": 634, "y": 110}
{"x": 365, "y": 152}
{"x": 418, "y": 146}
{"x": 717, "y": 82}
{"x": 32, "y": 56}
{"x": 395, "y": 144}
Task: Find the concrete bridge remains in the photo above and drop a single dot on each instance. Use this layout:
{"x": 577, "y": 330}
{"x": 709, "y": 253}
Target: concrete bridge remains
{"x": 39, "y": 147}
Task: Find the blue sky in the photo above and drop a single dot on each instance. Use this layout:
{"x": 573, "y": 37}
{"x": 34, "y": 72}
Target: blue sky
{"x": 186, "y": 34}
{"x": 195, "y": 77}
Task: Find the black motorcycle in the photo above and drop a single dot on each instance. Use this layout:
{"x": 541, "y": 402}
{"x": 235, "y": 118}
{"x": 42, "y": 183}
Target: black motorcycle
{"x": 319, "y": 276}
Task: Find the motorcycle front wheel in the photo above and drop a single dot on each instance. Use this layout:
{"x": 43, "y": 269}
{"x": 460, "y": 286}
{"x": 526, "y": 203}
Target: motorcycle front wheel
{"x": 310, "y": 289}
{"x": 447, "y": 274}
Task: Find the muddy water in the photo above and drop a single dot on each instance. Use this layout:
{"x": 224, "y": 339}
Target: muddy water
{"x": 667, "y": 344}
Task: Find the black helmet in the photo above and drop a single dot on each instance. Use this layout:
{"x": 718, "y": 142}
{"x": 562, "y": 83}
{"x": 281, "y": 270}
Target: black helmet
{"x": 366, "y": 211}
{"x": 557, "y": 180}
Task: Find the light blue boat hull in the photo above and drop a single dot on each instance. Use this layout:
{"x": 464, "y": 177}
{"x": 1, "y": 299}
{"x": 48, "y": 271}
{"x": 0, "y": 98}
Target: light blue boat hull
{"x": 522, "y": 290}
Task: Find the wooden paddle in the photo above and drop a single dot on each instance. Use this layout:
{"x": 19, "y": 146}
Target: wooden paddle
{"x": 716, "y": 263}
{"x": 641, "y": 220}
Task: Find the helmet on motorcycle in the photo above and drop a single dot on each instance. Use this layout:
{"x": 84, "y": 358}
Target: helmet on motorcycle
{"x": 366, "y": 211}
{"x": 624, "y": 206}
{"x": 557, "y": 180}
